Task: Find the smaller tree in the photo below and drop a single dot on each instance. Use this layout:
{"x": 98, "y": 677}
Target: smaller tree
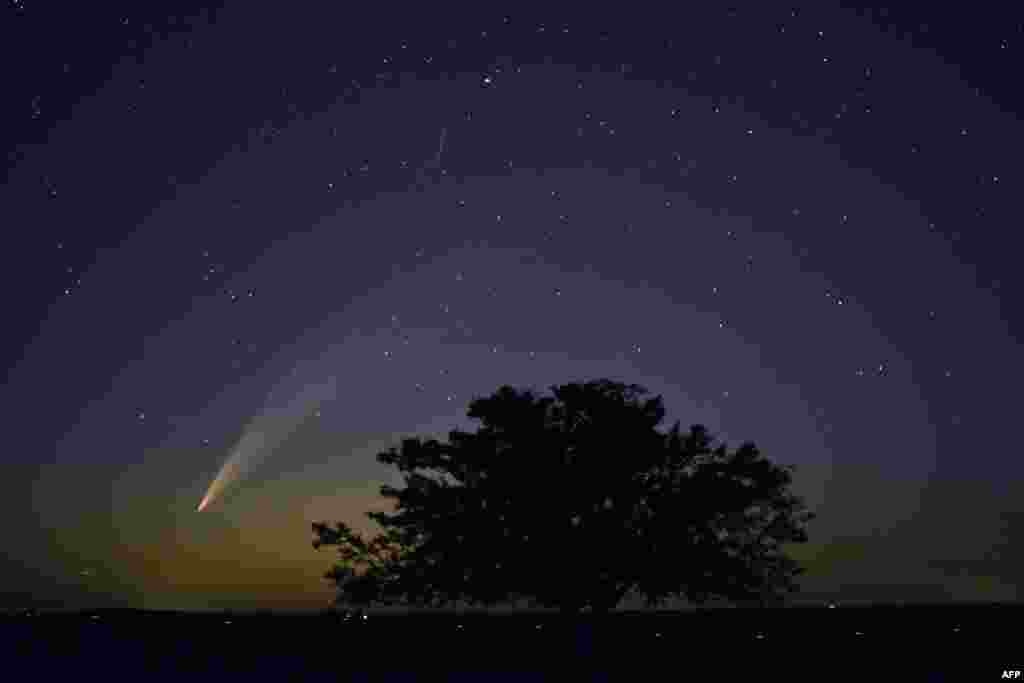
{"x": 365, "y": 568}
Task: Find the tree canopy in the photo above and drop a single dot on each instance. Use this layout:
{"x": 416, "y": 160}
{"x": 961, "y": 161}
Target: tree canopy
{"x": 574, "y": 501}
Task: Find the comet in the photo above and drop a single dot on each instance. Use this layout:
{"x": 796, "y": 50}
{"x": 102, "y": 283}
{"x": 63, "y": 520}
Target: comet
{"x": 265, "y": 433}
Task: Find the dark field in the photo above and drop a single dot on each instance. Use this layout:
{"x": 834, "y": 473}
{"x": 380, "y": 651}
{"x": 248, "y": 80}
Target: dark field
{"x": 915, "y": 643}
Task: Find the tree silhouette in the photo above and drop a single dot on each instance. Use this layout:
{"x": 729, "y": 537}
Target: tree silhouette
{"x": 574, "y": 501}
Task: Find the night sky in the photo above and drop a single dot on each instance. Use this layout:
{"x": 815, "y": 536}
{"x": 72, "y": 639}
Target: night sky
{"x": 293, "y": 234}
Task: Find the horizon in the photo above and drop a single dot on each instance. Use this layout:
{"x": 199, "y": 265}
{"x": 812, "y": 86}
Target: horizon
{"x": 399, "y": 611}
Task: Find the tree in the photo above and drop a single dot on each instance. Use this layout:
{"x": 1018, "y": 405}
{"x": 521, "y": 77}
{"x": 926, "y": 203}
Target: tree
{"x": 574, "y": 500}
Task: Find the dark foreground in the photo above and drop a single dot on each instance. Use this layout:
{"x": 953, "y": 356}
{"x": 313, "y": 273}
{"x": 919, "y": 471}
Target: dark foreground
{"x": 962, "y": 643}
